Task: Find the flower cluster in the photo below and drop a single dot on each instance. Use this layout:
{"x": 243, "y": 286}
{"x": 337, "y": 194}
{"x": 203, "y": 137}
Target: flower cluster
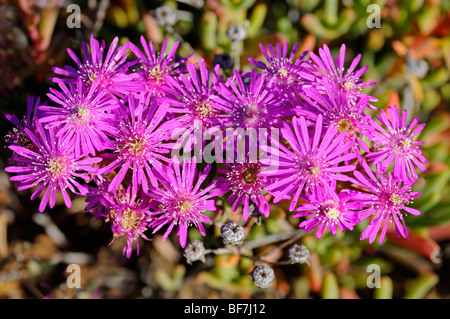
{"x": 128, "y": 128}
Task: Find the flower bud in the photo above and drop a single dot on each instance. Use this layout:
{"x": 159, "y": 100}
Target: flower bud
{"x": 195, "y": 250}
{"x": 262, "y": 276}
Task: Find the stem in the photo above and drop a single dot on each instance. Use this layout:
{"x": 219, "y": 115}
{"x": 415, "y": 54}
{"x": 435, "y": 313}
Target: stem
{"x": 237, "y": 55}
{"x": 290, "y": 237}
{"x": 101, "y": 13}
{"x": 4, "y": 251}
{"x": 286, "y": 243}
{"x": 274, "y": 238}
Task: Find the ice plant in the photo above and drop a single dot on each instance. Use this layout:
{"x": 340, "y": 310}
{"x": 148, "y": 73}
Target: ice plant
{"x": 348, "y": 81}
{"x": 138, "y": 143}
{"x": 84, "y": 116}
{"x": 394, "y": 141}
{"x": 182, "y": 202}
{"x": 287, "y": 72}
{"x": 156, "y": 67}
{"x": 51, "y": 166}
{"x": 313, "y": 164}
{"x": 111, "y": 69}
{"x": 127, "y": 106}
{"x": 386, "y": 199}
{"x": 130, "y": 216}
{"x": 330, "y": 210}
{"x": 249, "y": 106}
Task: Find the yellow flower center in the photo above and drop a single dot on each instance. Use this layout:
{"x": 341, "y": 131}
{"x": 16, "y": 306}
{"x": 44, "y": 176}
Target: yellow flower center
{"x": 330, "y": 209}
{"x": 81, "y": 115}
{"x": 344, "y": 125}
{"x": 249, "y": 175}
{"x": 396, "y": 199}
{"x": 135, "y": 146}
{"x": 282, "y": 72}
{"x": 203, "y": 109}
{"x": 129, "y": 220}
{"x": 349, "y": 84}
{"x": 155, "y": 73}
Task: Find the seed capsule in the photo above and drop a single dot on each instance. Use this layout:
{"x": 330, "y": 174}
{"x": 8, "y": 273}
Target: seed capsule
{"x": 195, "y": 250}
{"x": 262, "y": 275}
{"x": 232, "y": 233}
{"x": 298, "y": 254}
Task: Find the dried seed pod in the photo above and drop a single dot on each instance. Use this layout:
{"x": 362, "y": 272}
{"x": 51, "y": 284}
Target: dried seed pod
{"x": 195, "y": 250}
{"x": 165, "y": 16}
{"x": 237, "y": 32}
{"x": 298, "y": 254}
{"x": 262, "y": 275}
{"x": 232, "y": 233}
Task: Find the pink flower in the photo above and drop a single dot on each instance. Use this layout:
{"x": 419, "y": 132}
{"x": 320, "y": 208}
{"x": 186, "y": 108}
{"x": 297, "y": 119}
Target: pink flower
{"x": 328, "y": 209}
{"x": 183, "y": 202}
{"x": 395, "y": 142}
{"x": 312, "y": 164}
{"x": 386, "y": 199}
{"x": 50, "y": 165}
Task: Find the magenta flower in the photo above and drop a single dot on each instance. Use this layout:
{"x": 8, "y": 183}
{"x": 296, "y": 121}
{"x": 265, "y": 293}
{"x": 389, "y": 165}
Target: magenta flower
{"x": 18, "y": 135}
{"x": 249, "y": 106}
{"x": 51, "y": 166}
{"x": 84, "y": 115}
{"x": 130, "y": 216}
{"x": 328, "y": 209}
{"x": 138, "y": 143}
{"x": 288, "y": 75}
{"x": 394, "y": 142}
{"x": 156, "y": 67}
{"x": 111, "y": 69}
{"x": 386, "y": 199}
{"x": 337, "y": 110}
{"x": 190, "y": 96}
{"x": 350, "y": 82}
{"x": 313, "y": 164}
{"x": 190, "y": 103}
{"x": 246, "y": 184}
{"x": 99, "y": 200}
{"x": 182, "y": 201}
